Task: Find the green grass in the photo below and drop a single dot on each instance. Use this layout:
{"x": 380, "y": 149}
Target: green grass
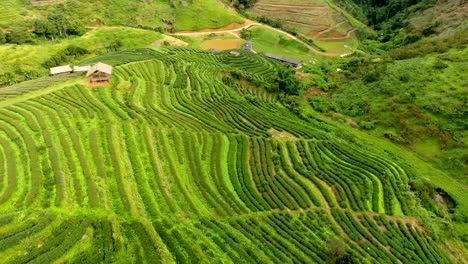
{"x": 202, "y": 14}
{"x": 338, "y": 47}
{"x": 267, "y": 40}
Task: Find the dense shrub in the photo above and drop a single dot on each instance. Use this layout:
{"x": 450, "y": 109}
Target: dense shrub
{"x": 68, "y": 54}
{"x": 20, "y": 37}
{"x": 272, "y": 22}
{"x": 320, "y": 104}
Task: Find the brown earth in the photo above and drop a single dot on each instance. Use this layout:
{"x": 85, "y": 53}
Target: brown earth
{"x": 90, "y": 84}
{"x": 221, "y": 44}
{"x": 302, "y": 75}
{"x": 313, "y": 91}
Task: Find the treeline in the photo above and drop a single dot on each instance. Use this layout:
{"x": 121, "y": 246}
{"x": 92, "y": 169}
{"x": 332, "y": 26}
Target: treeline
{"x": 380, "y": 11}
{"x": 390, "y": 19}
{"x": 243, "y": 4}
{"x": 55, "y": 26}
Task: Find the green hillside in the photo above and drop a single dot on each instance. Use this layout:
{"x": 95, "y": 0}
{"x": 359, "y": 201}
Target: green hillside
{"x": 29, "y": 61}
{"x": 360, "y": 155}
{"x": 173, "y": 15}
{"x": 176, "y": 161}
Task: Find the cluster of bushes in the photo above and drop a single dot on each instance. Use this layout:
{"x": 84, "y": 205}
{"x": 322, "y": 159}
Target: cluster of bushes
{"x": 246, "y": 34}
{"x": 55, "y": 26}
{"x": 66, "y": 55}
{"x": 276, "y": 23}
{"x": 17, "y": 36}
{"x": 458, "y": 40}
{"x": 18, "y": 74}
{"x": 241, "y": 5}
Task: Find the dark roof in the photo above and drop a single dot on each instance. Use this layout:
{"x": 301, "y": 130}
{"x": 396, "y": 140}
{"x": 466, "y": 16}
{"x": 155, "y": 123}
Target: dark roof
{"x": 248, "y": 45}
{"x": 282, "y": 59}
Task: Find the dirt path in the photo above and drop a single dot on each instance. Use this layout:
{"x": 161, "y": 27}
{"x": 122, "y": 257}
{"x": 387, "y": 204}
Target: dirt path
{"x": 312, "y": 49}
{"x": 235, "y": 27}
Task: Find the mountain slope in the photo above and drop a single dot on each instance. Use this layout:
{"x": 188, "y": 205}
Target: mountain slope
{"x": 178, "y": 160}
{"x": 172, "y": 15}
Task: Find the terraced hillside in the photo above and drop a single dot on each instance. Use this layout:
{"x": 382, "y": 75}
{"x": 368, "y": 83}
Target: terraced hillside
{"x": 313, "y": 18}
{"x": 177, "y": 162}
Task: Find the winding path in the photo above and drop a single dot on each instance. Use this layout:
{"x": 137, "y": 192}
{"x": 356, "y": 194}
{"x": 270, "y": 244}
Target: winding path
{"x": 248, "y": 24}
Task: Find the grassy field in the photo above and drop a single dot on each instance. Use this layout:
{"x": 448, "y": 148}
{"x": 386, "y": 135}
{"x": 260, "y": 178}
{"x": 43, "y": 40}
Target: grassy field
{"x": 340, "y": 47}
{"x": 267, "y": 40}
{"x": 204, "y": 14}
{"x": 178, "y": 161}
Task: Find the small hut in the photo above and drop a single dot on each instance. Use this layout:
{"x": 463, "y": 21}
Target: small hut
{"x": 81, "y": 69}
{"x": 60, "y": 70}
{"x": 99, "y": 73}
{"x": 248, "y": 46}
{"x": 284, "y": 60}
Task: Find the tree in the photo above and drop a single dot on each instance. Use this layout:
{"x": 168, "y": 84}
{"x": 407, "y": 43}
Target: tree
{"x": 338, "y": 253}
{"x": 287, "y": 81}
{"x": 41, "y": 27}
{"x": 336, "y": 248}
{"x": 76, "y": 28}
{"x": 246, "y": 34}
{"x": 59, "y": 23}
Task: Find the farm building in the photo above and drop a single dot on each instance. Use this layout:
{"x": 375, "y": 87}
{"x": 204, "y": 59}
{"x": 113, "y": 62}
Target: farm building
{"x": 99, "y": 73}
{"x": 60, "y": 70}
{"x": 81, "y": 68}
{"x": 247, "y": 45}
{"x": 285, "y": 60}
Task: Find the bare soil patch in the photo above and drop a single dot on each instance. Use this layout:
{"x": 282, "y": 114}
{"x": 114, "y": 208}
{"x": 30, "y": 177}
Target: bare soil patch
{"x": 221, "y": 44}
{"x": 302, "y": 75}
{"x": 96, "y": 84}
{"x": 313, "y": 91}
